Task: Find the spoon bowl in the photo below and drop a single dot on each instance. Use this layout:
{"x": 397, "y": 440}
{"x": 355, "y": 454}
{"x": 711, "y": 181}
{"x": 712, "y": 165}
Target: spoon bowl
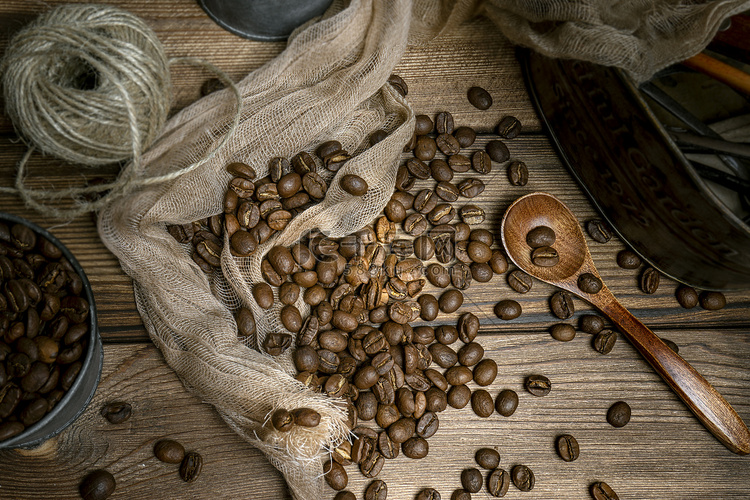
{"x": 536, "y": 209}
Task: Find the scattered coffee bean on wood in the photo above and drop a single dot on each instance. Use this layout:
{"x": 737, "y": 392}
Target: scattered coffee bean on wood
{"x": 497, "y": 151}
{"x": 518, "y": 173}
{"x": 506, "y": 402}
{"x": 376, "y": 490}
{"x": 487, "y": 458}
{"x": 428, "y": 494}
{"x": 507, "y": 309}
{"x": 461, "y": 494}
{"x": 471, "y": 480}
{"x": 567, "y": 447}
{"x": 591, "y": 323}
{"x": 649, "y": 280}
{"x": 618, "y": 414}
{"x": 479, "y": 98}
{"x": 520, "y": 281}
{"x": 169, "y": 451}
{"x": 562, "y": 332}
{"x": 538, "y": 385}
{"x": 117, "y": 412}
{"x": 522, "y": 477}
{"x": 191, "y": 467}
{"x": 589, "y": 283}
{"x": 498, "y": 482}
{"x": 97, "y": 485}
{"x": 687, "y": 296}
{"x": 602, "y": 491}
{"x": 509, "y": 127}
{"x": 604, "y": 341}
{"x": 481, "y": 403}
{"x": 712, "y": 301}
{"x": 561, "y": 304}
{"x": 628, "y": 259}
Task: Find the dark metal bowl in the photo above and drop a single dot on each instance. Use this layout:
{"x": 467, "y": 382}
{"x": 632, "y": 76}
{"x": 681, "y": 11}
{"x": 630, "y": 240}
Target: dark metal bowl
{"x": 74, "y": 402}
{"x": 635, "y": 175}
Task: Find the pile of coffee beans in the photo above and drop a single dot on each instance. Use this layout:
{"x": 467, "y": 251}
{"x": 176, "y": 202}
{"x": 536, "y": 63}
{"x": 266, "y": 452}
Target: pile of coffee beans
{"x": 44, "y": 327}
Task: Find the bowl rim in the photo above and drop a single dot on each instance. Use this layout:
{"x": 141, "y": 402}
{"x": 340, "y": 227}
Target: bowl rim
{"x": 95, "y": 344}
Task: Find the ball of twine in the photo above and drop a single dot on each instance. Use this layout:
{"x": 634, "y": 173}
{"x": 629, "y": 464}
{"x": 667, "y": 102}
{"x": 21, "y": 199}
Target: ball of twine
{"x": 87, "y": 83}
{"x": 90, "y": 84}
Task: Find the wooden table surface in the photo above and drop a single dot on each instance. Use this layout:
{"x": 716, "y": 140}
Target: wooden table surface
{"x": 663, "y": 453}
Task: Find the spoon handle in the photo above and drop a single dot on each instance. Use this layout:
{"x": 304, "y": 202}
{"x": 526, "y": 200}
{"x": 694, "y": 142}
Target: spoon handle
{"x": 716, "y": 414}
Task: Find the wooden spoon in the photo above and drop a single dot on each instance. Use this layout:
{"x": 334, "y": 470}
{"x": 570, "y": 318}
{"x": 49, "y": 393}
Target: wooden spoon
{"x": 539, "y": 209}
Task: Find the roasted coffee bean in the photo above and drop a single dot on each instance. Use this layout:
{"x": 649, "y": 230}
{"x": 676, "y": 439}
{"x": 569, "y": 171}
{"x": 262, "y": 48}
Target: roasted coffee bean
{"x": 399, "y": 85}
{"x": 443, "y": 355}
{"x": 376, "y": 490}
{"x": 423, "y": 125}
{"x": 459, "y": 396}
{"x": 604, "y": 341}
{"x": 471, "y": 188}
{"x": 415, "y": 224}
{"x": 306, "y": 359}
{"x": 687, "y": 296}
{"x": 245, "y": 324}
{"x": 461, "y": 494}
{"x": 591, "y": 323}
{"x": 277, "y": 168}
{"x": 276, "y": 343}
{"x": 306, "y": 417}
{"x": 485, "y": 372}
{"x": 446, "y": 191}
{"x": 561, "y": 304}
{"x": 263, "y": 295}
{"x": 458, "y": 375}
{"x": 97, "y": 485}
{"x": 279, "y": 219}
{"x": 481, "y": 161}
{"x": 415, "y": 447}
{"x": 444, "y": 123}
{"x": 628, "y": 259}
{"x": 404, "y": 180}
{"x": 450, "y": 301}
{"x": 428, "y": 494}
{"x": 387, "y": 415}
{"x": 10, "y": 429}
{"x": 395, "y": 211}
{"x": 498, "y": 482}
{"x": 470, "y": 354}
{"x": 509, "y": 127}
{"x": 562, "y": 332}
{"x": 522, "y": 477}
{"x": 438, "y": 276}
{"x": 367, "y": 406}
{"x": 487, "y": 458}
{"x": 541, "y": 236}
{"x": 314, "y": 185}
{"x": 440, "y": 170}
{"x": 467, "y": 327}
{"x": 437, "y": 400}
{"x": 426, "y": 148}
{"x": 459, "y": 163}
{"x": 372, "y": 464}
{"x": 545, "y": 257}
{"x": 447, "y": 144}
{"x": 291, "y": 318}
{"x": 498, "y": 262}
{"x": 411, "y": 144}
{"x": 481, "y": 403}
{"x": 240, "y": 169}
{"x": 169, "y": 451}
{"x": 497, "y": 151}
{"x": 507, "y": 309}
{"x": 443, "y": 213}
{"x": 303, "y": 163}
{"x": 712, "y": 301}
{"x": 33, "y": 411}
{"x": 424, "y": 247}
{"x": 472, "y": 214}
{"x": 402, "y": 429}
{"x": 618, "y": 414}
{"x": 589, "y": 283}
{"x": 471, "y": 480}
{"x": 335, "y": 475}
{"x": 345, "y": 495}
{"x": 518, "y": 173}
{"x": 465, "y": 136}
{"x": 418, "y": 168}
{"x": 460, "y": 276}
{"x": 538, "y": 385}
{"x": 117, "y": 412}
{"x": 385, "y": 230}
{"x": 567, "y": 447}
{"x": 602, "y": 491}
{"x": 649, "y": 280}
{"x": 329, "y": 148}
{"x": 243, "y": 188}
{"x": 480, "y": 99}
{"x": 598, "y": 230}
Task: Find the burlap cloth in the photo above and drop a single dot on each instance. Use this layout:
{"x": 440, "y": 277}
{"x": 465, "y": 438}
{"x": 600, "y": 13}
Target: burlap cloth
{"x": 329, "y": 83}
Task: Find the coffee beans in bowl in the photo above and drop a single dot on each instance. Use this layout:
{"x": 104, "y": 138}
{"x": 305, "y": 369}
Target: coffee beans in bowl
{"x": 52, "y": 349}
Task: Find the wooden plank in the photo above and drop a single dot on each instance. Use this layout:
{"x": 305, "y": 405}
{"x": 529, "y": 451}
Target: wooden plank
{"x": 663, "y": 453}
{"x": 162, "y": 408}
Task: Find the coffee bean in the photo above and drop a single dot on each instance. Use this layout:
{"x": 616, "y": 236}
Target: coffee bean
{"x": 460, "y": 276}
{"x": 480, "y": 99}
{"x": 395, "y": 211}
{"x": 440, "y": 170}
{"x": 563, "y": 332}
{"x": 507, "y": 309}
{"x": 447, "y": 144}
{"x": 415, "y": 224}
{"x": 345, "y": 495}
{"x": 498, "y": 482}
{"x": 335, "y": 475}
{"x": 97, "y": 485}
{"x": 446, "y": 191}
{"x": 471, "y": 188}
{"x": 487, "y": 458}
{"x": 591, "y": 323}
{"x": 518, "y": 173}
{"x": 376, "y": 490}
{"x": 545, "y": 257}
{"x": 423, "y": 125}
{"x": 628, "y": 259}
{"x": 481, "y": 403}
{"x": 438, "y": 276}
{"x": 498, "y": 151}
{"x": 427, "y": 425}
{"x": 522, "y": 477}
{"x": 567, "y": 447}
{"x": 712, "y": 301}
{"x": 602, "y": 491}
{"x": 649, "y": 280}
{"x": 509, "y": 127}
{"x": 429, "y": 307}
{"x": 314, "y": 185}
{"x": 589, "y": 283}
{"x": 538, "y": 385}
{"x": 561, "y": 304}
{"x": 604, "y": 341}
{"x": 353, "y": 184}
{"x": 459, "y": 396}
{"x": 424, "y": 247}
{"x": 465, "y": 136}
{"x": 169, "y": 451}
{"x": 428, "y": 494}
{"x": 471, "y": 480}
{"x": 306, "y": 417}
{"x": 498, "y": 262}
{"x": 426, "y": 148}
{"x": 481, "y": 163}
{"x": 687, "y": 296}
{"x": 11, "y": 429}
{"x": 461, "y": 494}
{"x": 444, "y": 123}
{"x": 472, "y": 214}
{"x": 459, "y": 163}
{"x": 450, "y": 301}
{"x": 116, "y": 412}
{"x": 541, "y": 236}
{"x": 520, "y": 281}
{"x": 598, "y": 230}
{"x": 618, "y": 414}
{"x": 470, "y": 354}
{"x": 415, "y": 447}
{"x": 443, "y": 213}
